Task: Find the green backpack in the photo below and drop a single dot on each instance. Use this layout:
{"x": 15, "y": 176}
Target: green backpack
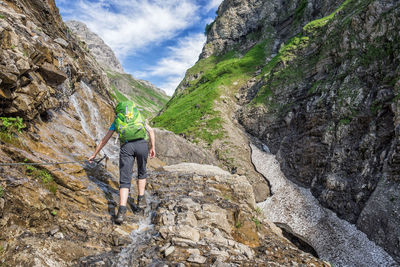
{"x": 129, "y": 123}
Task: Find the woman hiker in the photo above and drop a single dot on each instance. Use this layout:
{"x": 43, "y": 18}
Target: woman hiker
{"x": 133, "y": 134}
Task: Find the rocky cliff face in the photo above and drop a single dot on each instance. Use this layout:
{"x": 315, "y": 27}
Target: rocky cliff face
{"x": 150, "y": 98}
{"x": 317, "y": 82}
{"x": 329, "y": 111}
{"x": 41, "y": 64}
{"x": 102, "y": 52}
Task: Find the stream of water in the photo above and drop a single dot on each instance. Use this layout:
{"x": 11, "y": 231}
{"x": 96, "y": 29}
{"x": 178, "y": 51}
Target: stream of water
{"x": 140, "y": 237}
{"x": 92, "y": 123}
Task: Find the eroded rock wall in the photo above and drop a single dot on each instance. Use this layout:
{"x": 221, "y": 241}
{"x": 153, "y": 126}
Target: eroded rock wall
{"x": 41, "y": 63}
{"x": 60, "y": 92}
{"x": 329, "y": 111}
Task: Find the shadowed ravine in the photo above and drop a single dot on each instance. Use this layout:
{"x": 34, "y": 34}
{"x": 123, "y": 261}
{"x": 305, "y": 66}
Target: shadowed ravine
{"x": 334, "y": 239}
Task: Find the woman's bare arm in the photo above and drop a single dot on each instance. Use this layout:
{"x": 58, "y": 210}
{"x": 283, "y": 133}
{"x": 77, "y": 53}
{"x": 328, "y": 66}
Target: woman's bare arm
{"x": 102, "y": 143}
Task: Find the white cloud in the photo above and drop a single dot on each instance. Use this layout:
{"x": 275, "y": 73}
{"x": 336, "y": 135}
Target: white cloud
{"x": 129, "y": 25}
{"x": 213, "y": 4}
{"x": 179, "y": 59}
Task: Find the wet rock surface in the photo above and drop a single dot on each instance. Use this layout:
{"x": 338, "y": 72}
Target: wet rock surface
{"x": 61, "y": 215}
{"x": 189, "y": 219}
{"x": 41, "y": 64}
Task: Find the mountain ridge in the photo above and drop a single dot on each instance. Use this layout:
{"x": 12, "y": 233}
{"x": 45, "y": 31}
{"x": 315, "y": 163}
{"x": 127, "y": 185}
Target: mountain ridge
{"x": 101, "y": 51}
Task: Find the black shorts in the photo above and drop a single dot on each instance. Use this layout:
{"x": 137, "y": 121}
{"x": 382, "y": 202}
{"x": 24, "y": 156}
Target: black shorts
{"x": 129, "y": 151}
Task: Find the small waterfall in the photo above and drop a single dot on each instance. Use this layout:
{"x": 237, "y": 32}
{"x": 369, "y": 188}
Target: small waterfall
{"x": 78, "y": 109}
{"x": 91, "y": 121}
{"x": 94, "y": 114}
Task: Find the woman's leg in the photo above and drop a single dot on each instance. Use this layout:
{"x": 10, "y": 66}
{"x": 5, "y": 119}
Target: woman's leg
{"x": 142, "y": 152}
{"x": 141, "y": 183}
{"x": 126, "y": 160}
{"x": 123, "y": 196}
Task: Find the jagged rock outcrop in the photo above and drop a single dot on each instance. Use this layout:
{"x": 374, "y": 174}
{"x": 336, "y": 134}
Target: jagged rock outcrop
{"x": 41, "y": 65}
{"x": 60, "y": 94}
{"x": 238, "y": 19}
{"x": 332, "y": 122}
{"x": 317, "y": 82}
{"x": 102, "y": 52}
{"x": 150, "y": 98}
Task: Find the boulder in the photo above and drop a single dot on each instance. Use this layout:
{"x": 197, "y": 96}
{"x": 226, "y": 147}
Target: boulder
{"x": 22, "y": 65}
{"x": 173, "y": 149}
{"x": 5, "y": 93}
{"x": 195, "y": 168}
{"x": 8, "y": 76}
{"x": 61, "y": 42}
{"x": 25, "y": 104}
{"x": 52, "y": 74}
{"x": 31, "y": 89}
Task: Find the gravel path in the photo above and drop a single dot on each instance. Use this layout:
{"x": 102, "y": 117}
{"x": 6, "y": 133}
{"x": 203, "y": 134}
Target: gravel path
{"x": 334, "y": 239}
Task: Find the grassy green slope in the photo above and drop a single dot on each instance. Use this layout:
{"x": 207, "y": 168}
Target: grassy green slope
{"x": 192, "y": 112}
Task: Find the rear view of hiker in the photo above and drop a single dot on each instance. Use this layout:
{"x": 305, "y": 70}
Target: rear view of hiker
{"x": 133, "y": 135}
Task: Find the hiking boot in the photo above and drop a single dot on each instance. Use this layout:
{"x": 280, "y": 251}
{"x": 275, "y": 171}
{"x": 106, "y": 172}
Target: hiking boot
{"x": 141, "y": 202}
{"x": 120, "y": 215}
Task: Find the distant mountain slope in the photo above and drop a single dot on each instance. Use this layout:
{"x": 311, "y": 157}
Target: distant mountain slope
{"x": 150, "y": 98}
{"x": 102, "y": 52}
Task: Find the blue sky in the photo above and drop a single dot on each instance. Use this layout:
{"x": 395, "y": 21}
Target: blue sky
{"x": 155, "y": 40}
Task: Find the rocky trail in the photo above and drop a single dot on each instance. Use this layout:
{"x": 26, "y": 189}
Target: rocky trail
{"x": 196, "y": 215}
{"x": 200, "y": 215}
{"x": 296, "y": 210}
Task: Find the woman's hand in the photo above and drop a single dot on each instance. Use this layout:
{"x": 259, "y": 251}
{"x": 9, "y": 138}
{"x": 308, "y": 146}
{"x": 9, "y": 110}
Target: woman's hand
{"x": 152, "y": 152}
{"x": 102, "y": 143}
{"x": 92, "y": 158}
